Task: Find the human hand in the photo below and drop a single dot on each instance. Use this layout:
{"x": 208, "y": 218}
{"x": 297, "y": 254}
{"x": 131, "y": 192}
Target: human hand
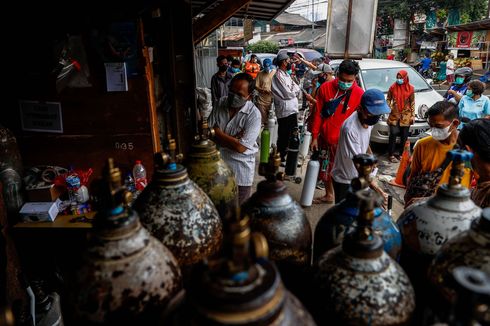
{"x": 309, "y": 98}
{"x": 451, "y": 92}
{"x": 314, "y": 145}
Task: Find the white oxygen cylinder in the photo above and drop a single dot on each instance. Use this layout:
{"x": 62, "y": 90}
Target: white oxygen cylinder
{"x": 305, "y": 145}
{"x": 272, "y": 126}
{"x": 309, "y": 184}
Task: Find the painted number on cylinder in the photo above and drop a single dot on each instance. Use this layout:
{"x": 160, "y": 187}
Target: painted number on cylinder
{"x": 124, "y": 146}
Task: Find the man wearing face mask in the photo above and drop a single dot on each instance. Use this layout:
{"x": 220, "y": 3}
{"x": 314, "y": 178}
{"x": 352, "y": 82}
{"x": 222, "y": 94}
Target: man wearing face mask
{"x": 220, "y": 80}
{"x": 457, "y": 90}
{"x": 336, "y": 101}
{"x": 354, "y": 140}
{"x": 429, "y": 167}
{"x": 263, "y": 85}
{"x": 236, "y": 122}
{"x": 285, "y": 92}
{"x": 252, "y": 67}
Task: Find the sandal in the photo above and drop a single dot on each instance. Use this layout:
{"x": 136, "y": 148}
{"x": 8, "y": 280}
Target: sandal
{"x": 323, "y": 200}
{"x": 393, "y": 159}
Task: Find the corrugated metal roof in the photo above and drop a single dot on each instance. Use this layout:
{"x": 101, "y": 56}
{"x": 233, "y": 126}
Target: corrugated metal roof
{"x": 303, "y": 36}
{"x": 287, "y": 18}
{"x": 257, "y": 9}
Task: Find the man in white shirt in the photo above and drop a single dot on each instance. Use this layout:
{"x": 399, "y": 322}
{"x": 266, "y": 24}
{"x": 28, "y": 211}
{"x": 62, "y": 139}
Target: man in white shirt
{"x": 450, "y": 69}
{"x": 354, "y": 139}
{"x": 236, "y": 122}
{"x": 285, "y": 92}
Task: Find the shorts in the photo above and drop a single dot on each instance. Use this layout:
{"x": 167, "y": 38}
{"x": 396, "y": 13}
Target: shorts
{"x": 327, "y": 158}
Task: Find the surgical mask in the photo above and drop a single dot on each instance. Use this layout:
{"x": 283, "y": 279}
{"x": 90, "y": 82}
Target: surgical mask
{"x": 235, "y": 101}
{"x": 345, "y": 86}
{"x": 288, "y": 67}
{"x": 267, "y": 69}
{"x": 235, "y": 70}
{"x": 372, "y": 120}
{"x": 459, "y": 80}
{"x": 289, "y": 71}
{"x": 440, "y": 133}
{"x": 223, "y": 68}
{"x": 399, "y": 81}
{"x": 322, "y": 79}
{"x": 469, "y": 93}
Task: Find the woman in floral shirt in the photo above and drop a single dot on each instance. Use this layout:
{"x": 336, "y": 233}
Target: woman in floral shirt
{"x": 401, "y": 99}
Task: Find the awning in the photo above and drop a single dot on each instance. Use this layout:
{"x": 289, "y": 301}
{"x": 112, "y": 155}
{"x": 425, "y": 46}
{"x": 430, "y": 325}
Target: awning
{"x": 473, "y": 26}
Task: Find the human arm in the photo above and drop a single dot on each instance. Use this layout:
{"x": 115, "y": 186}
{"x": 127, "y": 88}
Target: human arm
{"x": 317, "y": 120}
{"x": 306, "y": 62}
{"x": 283, "y": 88}
{"x": 228, "y": 141}
{"x": 245, "y": 140}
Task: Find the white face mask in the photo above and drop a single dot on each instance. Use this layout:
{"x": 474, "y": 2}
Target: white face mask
{"x": 440, "y": 133}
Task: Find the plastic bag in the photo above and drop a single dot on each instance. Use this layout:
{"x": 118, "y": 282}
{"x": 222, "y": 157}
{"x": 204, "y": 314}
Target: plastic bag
{"x": 204, "y": 101}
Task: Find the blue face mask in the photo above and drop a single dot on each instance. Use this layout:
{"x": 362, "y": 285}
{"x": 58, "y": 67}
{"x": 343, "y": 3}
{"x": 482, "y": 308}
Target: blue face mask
{"x": 459, "y": 80}
{"x": 267, "y": 69}
{"x": 289, "y": 72}
{"x": 399, "y": 81}
{"x": 345, "y": 86}
{"x": 469, "y": 93}
{"x": 235, "y": 70}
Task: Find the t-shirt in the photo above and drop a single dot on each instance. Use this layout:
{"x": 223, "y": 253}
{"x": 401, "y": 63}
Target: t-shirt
{"x": 354, "y": 139}
{"x": 450, "y": 67}
{"x": 426, "y": 63}
{"x": 429, "y": 154}
{"x": 473, "y": 109}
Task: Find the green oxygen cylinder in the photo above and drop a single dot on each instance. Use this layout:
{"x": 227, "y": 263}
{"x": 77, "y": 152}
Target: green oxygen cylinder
{"x": 265, "y": 144}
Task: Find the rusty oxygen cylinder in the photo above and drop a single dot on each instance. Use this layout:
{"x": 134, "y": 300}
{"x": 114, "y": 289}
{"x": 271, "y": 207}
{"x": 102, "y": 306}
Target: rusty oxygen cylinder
{"x": 332, "y": 226}
{"x": 208, "y": 170}
{"x": 469, "y": 249}
{"x": 241, "y": 288}
{"x": 179, "y": 213}
{"x": 128, "y": 277}
{"x": 274, "y": 213}
{"x": 10, "y": 171}
{"x": 358, "y": 283}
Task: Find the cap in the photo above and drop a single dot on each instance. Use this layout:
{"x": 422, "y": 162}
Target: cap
{"x": 267, "y": 62}
{"x": 374, "y": 101}
{"x": 282, "y": 56}
{"x": 323, "y": 68}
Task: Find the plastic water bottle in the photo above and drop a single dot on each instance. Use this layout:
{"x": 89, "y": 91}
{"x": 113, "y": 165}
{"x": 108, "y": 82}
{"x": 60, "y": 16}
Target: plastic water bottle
{"x": 129, "y": 182}
{"x": 139, "y": 175}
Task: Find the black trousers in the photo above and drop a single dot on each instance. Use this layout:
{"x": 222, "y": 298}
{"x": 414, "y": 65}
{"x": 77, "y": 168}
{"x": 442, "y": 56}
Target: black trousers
{"x": 340, "y": 190}
{"x": 284, "y": 129}
{"x": 394, "y": 132}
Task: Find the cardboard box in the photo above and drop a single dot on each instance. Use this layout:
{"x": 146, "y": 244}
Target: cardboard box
{"x": 40, "y": 211}
{"x": 44, "y": 194}
{"x": 476, "y": 64}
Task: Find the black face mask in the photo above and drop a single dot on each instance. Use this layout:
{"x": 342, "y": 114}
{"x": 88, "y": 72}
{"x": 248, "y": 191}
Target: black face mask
{"x": 372, "y": 120}
{"x": 288, "y": 67}
{"x": 322, "y": 79}
{"x": 223, "y": 68}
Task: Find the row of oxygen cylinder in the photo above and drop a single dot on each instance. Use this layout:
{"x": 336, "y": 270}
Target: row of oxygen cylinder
{"x": 139, "y": 259}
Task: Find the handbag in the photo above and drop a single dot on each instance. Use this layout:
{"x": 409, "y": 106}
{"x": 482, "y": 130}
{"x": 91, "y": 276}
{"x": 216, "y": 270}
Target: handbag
{"x": 329, "y": 107}
{"x": 424, "y": 184}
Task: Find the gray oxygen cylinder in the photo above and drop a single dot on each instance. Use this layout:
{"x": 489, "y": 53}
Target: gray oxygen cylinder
{"x": 311, "y": 177}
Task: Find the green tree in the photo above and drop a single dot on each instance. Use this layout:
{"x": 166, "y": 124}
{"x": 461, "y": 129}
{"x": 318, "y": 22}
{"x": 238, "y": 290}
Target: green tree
{"x": 263, "y": 47}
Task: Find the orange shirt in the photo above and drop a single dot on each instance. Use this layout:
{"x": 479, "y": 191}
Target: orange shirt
{"x": 429, "y": 154}
{"x": 252, "y": 69}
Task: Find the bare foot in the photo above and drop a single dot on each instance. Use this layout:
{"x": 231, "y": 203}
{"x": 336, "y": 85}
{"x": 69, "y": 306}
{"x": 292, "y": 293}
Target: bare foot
{"x": 323, "y": 200}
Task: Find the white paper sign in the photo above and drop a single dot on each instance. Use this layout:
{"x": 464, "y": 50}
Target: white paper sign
{"x": 41, "y": 116}
{"x": 116, "y": 77}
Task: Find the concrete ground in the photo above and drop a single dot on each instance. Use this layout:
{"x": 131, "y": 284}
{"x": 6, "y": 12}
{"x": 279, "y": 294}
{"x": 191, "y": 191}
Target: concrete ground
{"x": 387, "y": 170}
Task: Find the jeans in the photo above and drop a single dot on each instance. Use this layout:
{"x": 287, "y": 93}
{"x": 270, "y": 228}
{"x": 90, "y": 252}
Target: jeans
{"x": 284, "y": 128}
{"x": 394, "y": 132}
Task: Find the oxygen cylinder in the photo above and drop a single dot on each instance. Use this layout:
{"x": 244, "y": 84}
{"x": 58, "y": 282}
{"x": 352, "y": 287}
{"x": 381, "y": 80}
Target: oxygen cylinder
{"x": 310, "y": 180}
{"x": 305, "y": 145}
{"x": 272, "y": 126}
{"x": 265, "y": 141}
{"x": 293, "y": 151}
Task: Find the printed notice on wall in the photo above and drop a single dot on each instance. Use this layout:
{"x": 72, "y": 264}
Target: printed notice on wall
{"x": 41, "y": 116}
{"x": 116, "y": 78}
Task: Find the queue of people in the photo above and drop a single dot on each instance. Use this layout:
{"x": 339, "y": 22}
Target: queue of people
{"x": 341, "y": 118}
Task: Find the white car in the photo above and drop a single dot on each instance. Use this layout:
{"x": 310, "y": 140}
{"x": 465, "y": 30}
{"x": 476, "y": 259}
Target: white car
{"x": 381, "y": 74}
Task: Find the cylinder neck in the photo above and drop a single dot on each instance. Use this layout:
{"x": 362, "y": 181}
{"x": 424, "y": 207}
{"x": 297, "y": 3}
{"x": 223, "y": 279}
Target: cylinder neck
{"x": 363, "y": 242}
